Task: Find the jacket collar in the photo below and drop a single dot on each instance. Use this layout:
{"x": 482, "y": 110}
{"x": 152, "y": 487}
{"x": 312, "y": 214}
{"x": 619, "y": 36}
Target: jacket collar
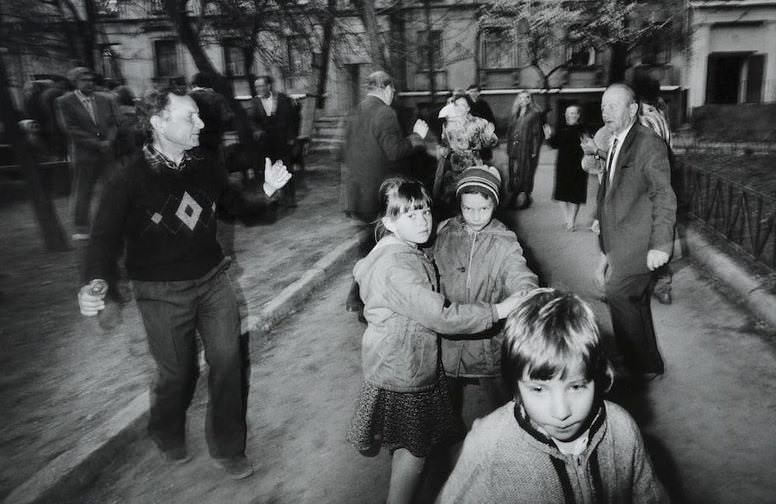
{"x": 595, "y": 426}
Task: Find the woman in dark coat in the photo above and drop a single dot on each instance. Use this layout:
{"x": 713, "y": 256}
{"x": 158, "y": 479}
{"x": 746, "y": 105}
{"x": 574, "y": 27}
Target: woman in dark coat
{"x": 570, "y": 178}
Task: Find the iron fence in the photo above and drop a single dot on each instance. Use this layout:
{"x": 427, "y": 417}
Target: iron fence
{"x": 744, "y": 217}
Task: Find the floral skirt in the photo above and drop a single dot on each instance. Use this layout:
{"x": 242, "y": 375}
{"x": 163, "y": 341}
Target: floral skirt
{"x": 416, "y": 421}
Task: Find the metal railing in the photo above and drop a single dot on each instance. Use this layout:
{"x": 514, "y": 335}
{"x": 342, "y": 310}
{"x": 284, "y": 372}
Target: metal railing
{"x": 744, "y": 217}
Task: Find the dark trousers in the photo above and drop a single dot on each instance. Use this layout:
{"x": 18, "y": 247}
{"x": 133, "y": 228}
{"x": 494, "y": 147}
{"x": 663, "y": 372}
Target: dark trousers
{"x": 173, "y": 313}
{"x": 84, "y": 177}
{"x": 629, "y": 302}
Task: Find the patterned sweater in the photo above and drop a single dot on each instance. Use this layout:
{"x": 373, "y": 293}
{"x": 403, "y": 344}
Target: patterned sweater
{"x": 504, "y": 459}
{"x": 166, "y": 217}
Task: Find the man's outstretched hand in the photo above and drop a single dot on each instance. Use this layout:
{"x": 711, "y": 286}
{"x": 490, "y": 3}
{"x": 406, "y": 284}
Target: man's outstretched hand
{"x": 276, "y": 175}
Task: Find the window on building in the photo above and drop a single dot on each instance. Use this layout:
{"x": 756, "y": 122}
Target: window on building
{"x": 430, "y": 44}
{"x": 300, "y": 58}
{"x": 580, "y": 55}
{"x": 498, "y": 50}
{"x": 166, "y": 58}
{"x": 234, "y": 59}
{"x": 655, "y": 51}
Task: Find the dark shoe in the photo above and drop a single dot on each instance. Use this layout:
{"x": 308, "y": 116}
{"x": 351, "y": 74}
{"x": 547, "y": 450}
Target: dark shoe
{"x": 236, "y": 467}
{"x": 178, "y": 456}
{"x": 663, "y": 297}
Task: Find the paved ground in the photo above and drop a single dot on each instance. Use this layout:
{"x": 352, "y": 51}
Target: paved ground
{"x": 63, "y": 375}
{"x": 708, "y": 422}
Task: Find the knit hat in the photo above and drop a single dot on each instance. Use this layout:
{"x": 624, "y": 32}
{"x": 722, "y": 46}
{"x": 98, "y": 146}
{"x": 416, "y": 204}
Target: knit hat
{"x": 484, "y": 177}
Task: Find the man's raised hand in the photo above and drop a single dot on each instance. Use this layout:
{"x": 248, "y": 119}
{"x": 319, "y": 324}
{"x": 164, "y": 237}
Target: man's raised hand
{"x": 275, "y": 176}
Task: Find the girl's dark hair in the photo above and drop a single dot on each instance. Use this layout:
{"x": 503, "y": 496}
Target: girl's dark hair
{"x": 399, "y": 195}
{"x": 548, "y": 334}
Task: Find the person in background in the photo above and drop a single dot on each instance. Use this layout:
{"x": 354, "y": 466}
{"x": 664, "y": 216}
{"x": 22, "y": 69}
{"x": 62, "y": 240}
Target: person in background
{"x": 214, "y": 111}
{"x": 524, "y": 140}
{"x": 570, "y": 179}
{"x": 558, "y": 440}
{"x": 463, "y": 137}
{"x": 90, "y": 121}
{"x": 163, "y": 209}
{"x": 276, "y": 125}
{"x": 480, "y": 108}
{"x": 374, "y": 149}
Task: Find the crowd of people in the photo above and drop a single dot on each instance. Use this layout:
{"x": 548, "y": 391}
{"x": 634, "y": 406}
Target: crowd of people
{"x": 454, "y": 305}
{"x": 449, "y": 301}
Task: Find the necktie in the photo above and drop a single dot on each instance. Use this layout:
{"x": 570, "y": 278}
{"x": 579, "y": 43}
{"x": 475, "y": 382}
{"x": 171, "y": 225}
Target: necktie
{"x": 609, "y": 161}
{"x": 90, "y": 108}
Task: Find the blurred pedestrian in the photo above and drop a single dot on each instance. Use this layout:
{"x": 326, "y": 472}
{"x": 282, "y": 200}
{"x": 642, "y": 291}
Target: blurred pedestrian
{"x": 480, "y": 108}
{"x": 90, "y": 121}
{"x": 276, "y": 125}
{"x": 374, "y": 149}
{"x": 214, "y": 111}
{"x": 524, "y": 140}
{"x": 570, "y": 179}
{"x": 129, "y": 139}
{"x": 163, "y": 208}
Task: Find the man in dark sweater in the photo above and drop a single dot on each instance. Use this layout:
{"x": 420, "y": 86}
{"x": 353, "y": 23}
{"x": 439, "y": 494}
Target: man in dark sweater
{"x": 163, "y": 207}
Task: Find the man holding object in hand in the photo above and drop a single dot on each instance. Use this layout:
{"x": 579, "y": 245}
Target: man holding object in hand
{"x": 163, "y": 207}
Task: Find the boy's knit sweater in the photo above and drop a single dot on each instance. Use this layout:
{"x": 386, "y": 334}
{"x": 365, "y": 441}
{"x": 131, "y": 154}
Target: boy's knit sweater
{"x": 166, "y": 217}
{"x": 504, "y": 459}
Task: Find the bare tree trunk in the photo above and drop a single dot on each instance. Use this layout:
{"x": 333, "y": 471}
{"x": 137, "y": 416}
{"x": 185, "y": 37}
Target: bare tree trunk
{"x": 429, "y": 52}
{"x": 176, "y": 10}
{"x": 323, "y": 69}
{"x": 54, "y": 236}
{"x": 376, "y": 46}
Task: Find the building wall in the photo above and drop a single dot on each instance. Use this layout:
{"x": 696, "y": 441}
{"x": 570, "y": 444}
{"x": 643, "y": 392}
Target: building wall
{"x": 729, "y": 27}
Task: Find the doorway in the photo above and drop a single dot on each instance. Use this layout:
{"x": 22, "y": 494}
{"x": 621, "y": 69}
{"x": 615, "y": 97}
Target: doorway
{"x": 734, "y": 78}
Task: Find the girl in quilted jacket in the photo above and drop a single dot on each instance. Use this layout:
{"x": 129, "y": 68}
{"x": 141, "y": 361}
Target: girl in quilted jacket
{"x": 404, "y": 405}
{"x": 479, "y": 260}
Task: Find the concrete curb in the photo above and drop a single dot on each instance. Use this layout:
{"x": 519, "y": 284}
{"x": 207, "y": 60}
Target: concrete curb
{"x": 756, "y": 295}
{"x": 77, "y": 466}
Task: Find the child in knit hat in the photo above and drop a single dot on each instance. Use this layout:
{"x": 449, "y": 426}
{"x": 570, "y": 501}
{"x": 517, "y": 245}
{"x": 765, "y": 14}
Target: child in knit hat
{"x": 558, "y": 441}
{"x": 479, "y": 261}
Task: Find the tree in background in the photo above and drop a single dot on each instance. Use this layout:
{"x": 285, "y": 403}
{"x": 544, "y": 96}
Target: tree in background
{"x": 543, "y": 29}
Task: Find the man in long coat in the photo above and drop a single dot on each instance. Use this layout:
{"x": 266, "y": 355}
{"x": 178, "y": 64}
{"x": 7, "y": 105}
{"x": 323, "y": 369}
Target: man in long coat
{"x": 374, "y": 147}
{"x": 373, "y": 151}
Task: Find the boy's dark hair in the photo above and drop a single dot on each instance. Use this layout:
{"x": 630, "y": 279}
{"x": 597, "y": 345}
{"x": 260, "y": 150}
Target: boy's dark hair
{"x": 548, "y": 334}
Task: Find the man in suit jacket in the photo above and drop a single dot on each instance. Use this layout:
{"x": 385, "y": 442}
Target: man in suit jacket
{"x": 373, "y": 150}
{"x": 637, "y": 214}
{"x": 375, "y": 147}
{"x": 276, "y": 125}
{"x": 89, "y": 120}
